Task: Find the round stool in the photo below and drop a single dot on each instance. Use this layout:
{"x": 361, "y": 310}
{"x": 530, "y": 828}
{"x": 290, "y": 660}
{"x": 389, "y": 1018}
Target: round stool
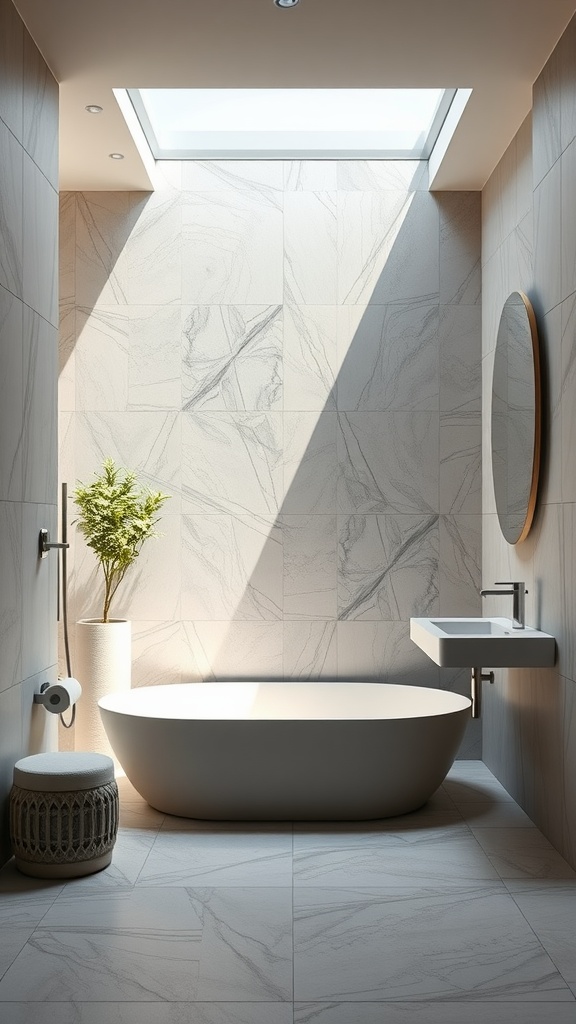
{"x": 63, "y": 814}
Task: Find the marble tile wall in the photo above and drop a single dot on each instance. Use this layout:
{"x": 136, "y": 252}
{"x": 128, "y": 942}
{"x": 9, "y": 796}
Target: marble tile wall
{"x": 292, "y": 352}
{"x": 528, "y": 243}
{"x": 28, "y": 380}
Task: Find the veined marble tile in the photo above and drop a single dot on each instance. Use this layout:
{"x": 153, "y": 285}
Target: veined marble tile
{"x": 131, "y": 850}
{"x": 310, "y": 247}
{"x": 310, "y": 650}
{"x": 232, "y": 248}
{"x": 231, "y": 857}
{"x": 152, "y": 945}
{"x": 522, "y": 853}
{"x": 461, "y": 462}
{"x": 460, "y": 247}
{"x": 388, "y": 566}
{"x": 550, "y": 569}
{"x": 388, "y": 859}
{"x": 161, "y": 1013}
{"x": 67, "y": 247}
{"x": 39, "y": 435}
{"x": 310, "y": 175}
{"x": 66, "y": 451}
{"x": 382, "y": 651}
{"x": 460, "y": 336}
{"x": 422, "y": 1013}
{"x": 460, "y": 567}
{"x": 518, "y": 250}
{"x": 11, "y": 396}
{"x": 547, "y": 291}
{"x": 391, "y": 945}
{"x": 232, "y": 357}
{"x": 568, "y": 653}
{"x": 382, "y": 175}
{"x": 154, "y": 362}
{"x": 40, "y": 111}
{"x": 388, "y": 357}
{"x": 157, "y": 651}
{"x": 12, "y": 942}
{"x": 388, "y": 245}
{"x": 232, "y": 462}
{"x": 11, "y": 202}
{"x": 256, "y": 176}
{"x": 310, "y": 543}
{"x": 67, "y": 358}
{"x": 11, "y": 593}
{"x": 388, "y": 462}
{"x": 310, "y": 462}
{"x": 546, "y": 94}
{"x": 494, "y": 294}
{"x": 147, "y": 442}
{"x": 154, "y": 248}
{"x": 38, "y": 591}
{"x": 232, "y": 567}
{"x": 550, "y": 330}
{"x": 524, "y": 184}
{"x": 101, "y": 357}
{"x": 499, "y": 203}
{"x": 40, "y": 243}
{"x": 151, "y": 588}
{"x": 104, "y": 221}
{"x": 566, "y": 53}
{"x": 11, "y": 68}
{"x": 549, "y": 907}
{"x": 310, "y": 357}
{"x": 568, "y": 398}
{"x": 232, "y": 650}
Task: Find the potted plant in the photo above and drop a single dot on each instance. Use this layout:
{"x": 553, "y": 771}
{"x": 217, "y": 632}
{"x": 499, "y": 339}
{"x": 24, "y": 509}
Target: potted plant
{"x": 115, "y": 517}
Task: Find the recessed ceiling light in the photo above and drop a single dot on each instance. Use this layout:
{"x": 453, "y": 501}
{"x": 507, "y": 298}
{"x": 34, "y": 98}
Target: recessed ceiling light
{"x": 286, "y": 3}
{"x": 93, "y": 108}
{"x": 116, "y": 156}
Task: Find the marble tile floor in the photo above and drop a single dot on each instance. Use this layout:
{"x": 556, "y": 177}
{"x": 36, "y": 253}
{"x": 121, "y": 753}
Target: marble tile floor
{"x": 461, "y": 913}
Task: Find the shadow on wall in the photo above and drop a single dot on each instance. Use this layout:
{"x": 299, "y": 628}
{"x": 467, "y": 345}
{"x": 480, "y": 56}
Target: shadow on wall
{"x": 324, "y": 456}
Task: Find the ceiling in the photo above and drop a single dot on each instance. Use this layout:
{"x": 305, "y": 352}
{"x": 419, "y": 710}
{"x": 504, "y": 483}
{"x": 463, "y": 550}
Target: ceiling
{"x": 495, "y": 47}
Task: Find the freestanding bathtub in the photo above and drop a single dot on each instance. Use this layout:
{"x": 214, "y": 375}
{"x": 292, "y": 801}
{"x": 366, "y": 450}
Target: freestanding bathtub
{"x": 278, "y": 751}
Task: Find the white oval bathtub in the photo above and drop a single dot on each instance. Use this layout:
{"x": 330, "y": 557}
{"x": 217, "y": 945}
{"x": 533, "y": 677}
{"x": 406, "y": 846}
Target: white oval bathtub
{"x": 280, "y": 751}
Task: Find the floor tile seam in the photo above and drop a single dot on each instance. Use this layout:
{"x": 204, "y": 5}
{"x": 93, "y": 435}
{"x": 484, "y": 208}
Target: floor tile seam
{"x": 569, "y": 982}
{"x": 146, "y": 1002}
{"x": 453, "y": 804}
{"x": 143, "y": 865}
{"x": 131, "y": 887}
{"x": 567, "y": 999}
{"x": 435, "y": 890}
{"x": 14, "y": 959}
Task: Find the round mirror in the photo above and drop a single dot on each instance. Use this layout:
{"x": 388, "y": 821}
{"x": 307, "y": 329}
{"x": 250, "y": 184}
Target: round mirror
{"x": 516, "y": 418}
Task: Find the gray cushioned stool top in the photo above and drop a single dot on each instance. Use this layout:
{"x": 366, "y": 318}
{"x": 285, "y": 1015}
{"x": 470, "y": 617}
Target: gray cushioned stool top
{"x": 62, "y": 771}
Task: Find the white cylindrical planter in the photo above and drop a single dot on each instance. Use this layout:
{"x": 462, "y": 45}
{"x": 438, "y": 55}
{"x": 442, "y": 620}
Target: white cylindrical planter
{"x": 103, "y": 666}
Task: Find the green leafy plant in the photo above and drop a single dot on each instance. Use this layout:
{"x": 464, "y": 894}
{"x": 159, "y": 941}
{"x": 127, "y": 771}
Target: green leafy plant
{"x": 116, "y": 519}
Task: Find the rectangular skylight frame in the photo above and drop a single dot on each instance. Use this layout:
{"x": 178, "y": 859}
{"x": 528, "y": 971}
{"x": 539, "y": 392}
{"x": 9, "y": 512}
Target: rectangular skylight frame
{"x": 335, "y": 145}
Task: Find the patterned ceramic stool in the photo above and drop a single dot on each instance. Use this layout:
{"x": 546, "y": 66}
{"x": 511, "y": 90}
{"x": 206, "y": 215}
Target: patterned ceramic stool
{"x": 63, "y": 814}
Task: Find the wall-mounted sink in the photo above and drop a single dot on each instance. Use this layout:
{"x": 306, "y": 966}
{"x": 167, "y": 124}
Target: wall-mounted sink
{"x": 493, "y": 643}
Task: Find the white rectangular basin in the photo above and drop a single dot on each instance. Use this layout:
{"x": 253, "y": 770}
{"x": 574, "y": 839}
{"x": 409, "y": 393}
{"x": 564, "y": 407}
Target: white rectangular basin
{"x": 482, "y": 643}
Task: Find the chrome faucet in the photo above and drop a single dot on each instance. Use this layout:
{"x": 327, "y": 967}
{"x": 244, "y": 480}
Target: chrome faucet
{"x": 518, "y": 609}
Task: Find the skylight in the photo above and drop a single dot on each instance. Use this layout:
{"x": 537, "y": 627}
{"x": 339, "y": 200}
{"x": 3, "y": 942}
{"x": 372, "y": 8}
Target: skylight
{"x": 189, "y": 124}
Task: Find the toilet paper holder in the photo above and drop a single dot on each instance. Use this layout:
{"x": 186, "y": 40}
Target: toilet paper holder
{"x": 58, "y": 697}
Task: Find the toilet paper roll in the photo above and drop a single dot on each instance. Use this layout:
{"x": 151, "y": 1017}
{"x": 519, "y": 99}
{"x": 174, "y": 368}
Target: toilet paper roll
{"x": 61, "y": 695}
